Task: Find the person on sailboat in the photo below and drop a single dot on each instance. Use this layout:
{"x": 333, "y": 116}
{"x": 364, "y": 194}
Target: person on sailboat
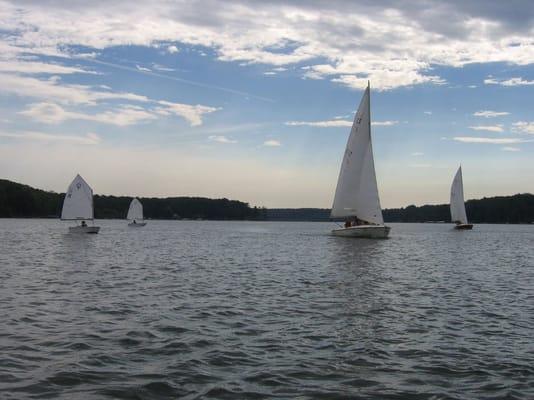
{"x": 84, "y": 224}
{"x": 347, "y": 224}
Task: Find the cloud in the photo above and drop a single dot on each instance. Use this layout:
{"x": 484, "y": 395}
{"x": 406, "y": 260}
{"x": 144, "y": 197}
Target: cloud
{"x": 272, "y": 143}
{"x": 508, "y": 148}
{"x": 144, "y": 69}
{"x": 192, "y": 113}
{"x": 489, "y": 128}
{"x": 508, "y": 82}
{"x": 384, "y": 123}
{"x": 392, "y": 44}
{"x": 52, "y": 88}
{"x": 162, "y": 68}
{"x": 321, "y": 124}
{"x": 221, "y": 139}
{"x": 523, "y": 127}
{"x": 269, "y": 73}
{"x": 52, "y": 113}
{"x": 427, "y": 112}
{"x": 490, "y": 114}
{"x": 470, "y": 139}
{"x": 36, "y": 67}
{"x": 89, "y": 139}
{"x": 417, "y": 154}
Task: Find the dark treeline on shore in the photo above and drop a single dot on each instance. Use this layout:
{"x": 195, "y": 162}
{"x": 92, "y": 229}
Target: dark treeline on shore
{"x": 17, "y": 200}
{"x": 23, "y": 201}
{"x": 515, "y": 209}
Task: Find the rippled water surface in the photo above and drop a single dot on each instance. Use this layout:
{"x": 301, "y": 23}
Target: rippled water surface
{"x": 203, "y": 309}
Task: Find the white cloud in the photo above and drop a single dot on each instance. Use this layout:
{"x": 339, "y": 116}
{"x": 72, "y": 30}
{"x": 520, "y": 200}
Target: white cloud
{"x": 508, "y": 82}
{"x": 523, "y": 127}
{"x": 221, "y": 139}
{"x": 36, "y": 67}
{"x": 393, "y": 46}
{"x": 490, "y": 114}
{"x": 53, "y": 89}
{"x": 272, "y": 143}
{"x": 269, "y": 73}
{"x": 144, "y": 69}
{"x": 321, "y": 124}
{"x": 470, "y": 139}
{"x": 52, "y": 113}
{"x": 508, "y": 148}
{"x": 427, "y": 112}
{"x": 89, "y": 139}
{"x": 192, "y": 113}
{"x": 489, "y": 128}
{"x": 417, "y": 154}
{"x": 162, "y": 68}
{"x": 384, "y": 123}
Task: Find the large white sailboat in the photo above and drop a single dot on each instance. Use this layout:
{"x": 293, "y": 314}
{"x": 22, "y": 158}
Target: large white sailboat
{"x": 135, "y": 214}
{"x": 356, "y": 199}
{"x": 78, "y": 206}
{"x": 458, "y": 214}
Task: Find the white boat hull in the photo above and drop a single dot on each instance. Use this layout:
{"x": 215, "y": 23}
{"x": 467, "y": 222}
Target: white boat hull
{"x": 364, "y": 231}
{"x": 84, "y": 229}
{"x": 137, "y": 224}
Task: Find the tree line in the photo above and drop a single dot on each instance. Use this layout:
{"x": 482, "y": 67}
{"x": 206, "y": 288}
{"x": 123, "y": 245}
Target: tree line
{"x": 22, "y": 201}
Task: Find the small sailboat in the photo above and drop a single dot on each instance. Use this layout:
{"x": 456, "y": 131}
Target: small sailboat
{"x": 458, "y": 214}
{"x": 356, "y": 199}
{"x": 135, "y": 214}
{"x": 78, "y": 206}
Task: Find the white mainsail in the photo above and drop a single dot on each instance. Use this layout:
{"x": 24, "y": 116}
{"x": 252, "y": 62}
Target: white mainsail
{"x": 78, "y": 203}
{"x": 457, "y": 199}
{"x": 135, "y": 212}
{"x": 357, "y": 190}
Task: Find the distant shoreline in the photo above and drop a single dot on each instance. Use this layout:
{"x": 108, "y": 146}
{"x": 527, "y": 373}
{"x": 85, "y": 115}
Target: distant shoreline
{"x": 22, "y": 201}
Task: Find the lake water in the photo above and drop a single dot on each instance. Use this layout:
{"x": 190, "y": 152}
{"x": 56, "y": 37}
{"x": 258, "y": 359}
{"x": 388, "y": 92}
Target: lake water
{"x": 199, "y": 309}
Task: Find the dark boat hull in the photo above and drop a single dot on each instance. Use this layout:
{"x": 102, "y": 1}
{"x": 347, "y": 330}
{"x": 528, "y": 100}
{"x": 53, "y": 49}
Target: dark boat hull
{"x": 464, "y": 227}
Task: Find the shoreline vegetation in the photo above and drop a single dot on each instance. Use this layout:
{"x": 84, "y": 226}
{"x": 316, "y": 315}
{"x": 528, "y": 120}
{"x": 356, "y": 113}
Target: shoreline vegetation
{"x": 22, "y": 201}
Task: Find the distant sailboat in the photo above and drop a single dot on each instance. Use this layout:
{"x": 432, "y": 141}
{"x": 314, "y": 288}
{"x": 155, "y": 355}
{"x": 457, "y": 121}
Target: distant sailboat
{"x": 135, "y": 214}
{"x": 356, "y": 199}
{"x": 78, "y": 206}
{"x": 458, "y": 214}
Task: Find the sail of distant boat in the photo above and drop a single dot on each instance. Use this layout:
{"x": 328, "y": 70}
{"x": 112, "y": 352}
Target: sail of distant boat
{"x": 357, "y": 189}
{"x": 78, "y": 203}
{"x": 135, "y": 212}
{"x": 458, "y": 214}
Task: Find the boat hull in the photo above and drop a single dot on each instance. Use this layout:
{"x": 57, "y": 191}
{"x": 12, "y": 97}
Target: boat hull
{"x": 363, "y": 231}
{"x": 84, "y": 229}
{"x": 463, "y": 227}
{"x": 137, "y": 224}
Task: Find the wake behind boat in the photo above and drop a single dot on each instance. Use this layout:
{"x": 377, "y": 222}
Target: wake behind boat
{"x": 458, "y": 214}
{"x": 135, "y": 214}
{"x": 356, "y": 199}
{"x": 78, "y": 206}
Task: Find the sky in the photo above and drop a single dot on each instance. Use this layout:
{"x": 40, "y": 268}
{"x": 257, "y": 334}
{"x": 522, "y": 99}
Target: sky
{"x": 253, "y": 100}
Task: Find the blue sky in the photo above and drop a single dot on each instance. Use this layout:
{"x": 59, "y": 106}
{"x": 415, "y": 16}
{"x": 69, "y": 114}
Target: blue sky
{"x": 254, "y": 100}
